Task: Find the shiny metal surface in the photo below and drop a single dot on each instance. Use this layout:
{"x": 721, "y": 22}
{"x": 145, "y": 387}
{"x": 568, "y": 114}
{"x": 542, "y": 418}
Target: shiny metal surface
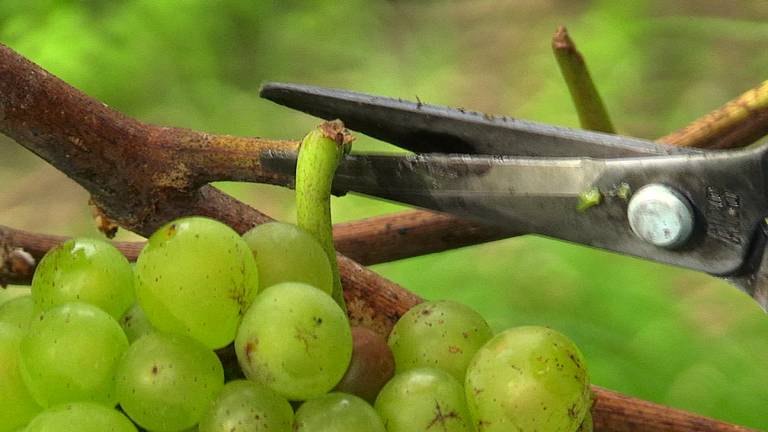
{"x": 542, "y": 196}
{"x": 661, "y": 216}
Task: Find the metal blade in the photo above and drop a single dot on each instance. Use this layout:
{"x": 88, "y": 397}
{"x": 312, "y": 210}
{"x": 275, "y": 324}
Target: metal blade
{"x": 753, "y": 279}
{"x": 542, "y": 196}
{"x": 424, "y": 128}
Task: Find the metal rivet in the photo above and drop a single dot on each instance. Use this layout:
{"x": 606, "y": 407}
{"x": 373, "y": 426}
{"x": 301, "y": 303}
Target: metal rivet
{"x": 661, "y": 216}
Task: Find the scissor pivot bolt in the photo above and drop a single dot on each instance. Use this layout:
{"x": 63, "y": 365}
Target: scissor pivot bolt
{"x": 661, "y": 216}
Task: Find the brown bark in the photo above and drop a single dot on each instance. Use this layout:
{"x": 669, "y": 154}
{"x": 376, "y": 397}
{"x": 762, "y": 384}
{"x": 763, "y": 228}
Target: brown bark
{"x": 616, "y": 412}
{"x": 364, "y": 241}
{"x": 417, "y": 232}
{"x": 738, "y": 123}
{"x": 36, "y": 245}
{"x": 141, "y": 176}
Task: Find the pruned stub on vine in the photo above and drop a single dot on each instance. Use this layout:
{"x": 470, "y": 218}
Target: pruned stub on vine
{"x": 15, "y": 264}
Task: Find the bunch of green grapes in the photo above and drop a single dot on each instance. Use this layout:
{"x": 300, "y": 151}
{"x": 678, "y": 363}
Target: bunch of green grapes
{"x": 215, "y": 332}
{"x": 452, "y": 372}
{"x": 61, "y": 343}
{"x": 95, "y": 335}
{"x": 524, "y": 379}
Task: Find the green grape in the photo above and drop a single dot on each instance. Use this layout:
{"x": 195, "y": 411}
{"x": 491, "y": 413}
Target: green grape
{"x": 70, "y": 354}
{"x": 18, "y": 312}
{"x": 80, "y": 417}
{"x": 17, "y": 407}
{"x": 246, "y": 406}
{"x": 165, "y": 382}
{"x": 286, "y": 253}
{"x": 424, "y": 399}
{"x": 441, "y": 334}
{"x": 337, "y": 412}
{"x": 295, "y": 339}
{"x": 135, "y": 323}
{"x": 84, "y": 270}
{"x": 528, "y": 379}
{"x": 196, "y": 276}
{"x": 371, "y": 366}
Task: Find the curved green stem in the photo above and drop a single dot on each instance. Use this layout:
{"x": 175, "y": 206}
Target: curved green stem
{"x": 319, "y": 154}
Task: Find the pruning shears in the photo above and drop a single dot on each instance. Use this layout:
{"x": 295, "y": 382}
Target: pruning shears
{"x": 702, "y": 210}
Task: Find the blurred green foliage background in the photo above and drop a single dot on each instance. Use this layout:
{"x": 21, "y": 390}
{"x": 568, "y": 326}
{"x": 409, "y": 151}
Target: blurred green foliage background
{"x": 655, "y": 332}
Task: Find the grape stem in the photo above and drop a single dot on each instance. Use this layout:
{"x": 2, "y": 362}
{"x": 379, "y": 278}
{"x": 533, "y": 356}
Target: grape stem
{"x": 320, "y": 152}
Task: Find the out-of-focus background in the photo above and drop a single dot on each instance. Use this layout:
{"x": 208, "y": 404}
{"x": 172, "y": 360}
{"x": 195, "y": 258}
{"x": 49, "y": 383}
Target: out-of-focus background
{"x": 655, "y": 332}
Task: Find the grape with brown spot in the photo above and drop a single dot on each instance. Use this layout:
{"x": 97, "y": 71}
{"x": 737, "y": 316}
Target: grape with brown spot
{"x": 424, "y": 399}
{"x": 337, "y": 412}
{"x": 196, "y": 277}
{"x": 442, "y": 334}
{"x": 166, "y": 382}
{"x": 246, "y": 406}
{"x": 528, "y": 379}
{"x": 294, "y": 339}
